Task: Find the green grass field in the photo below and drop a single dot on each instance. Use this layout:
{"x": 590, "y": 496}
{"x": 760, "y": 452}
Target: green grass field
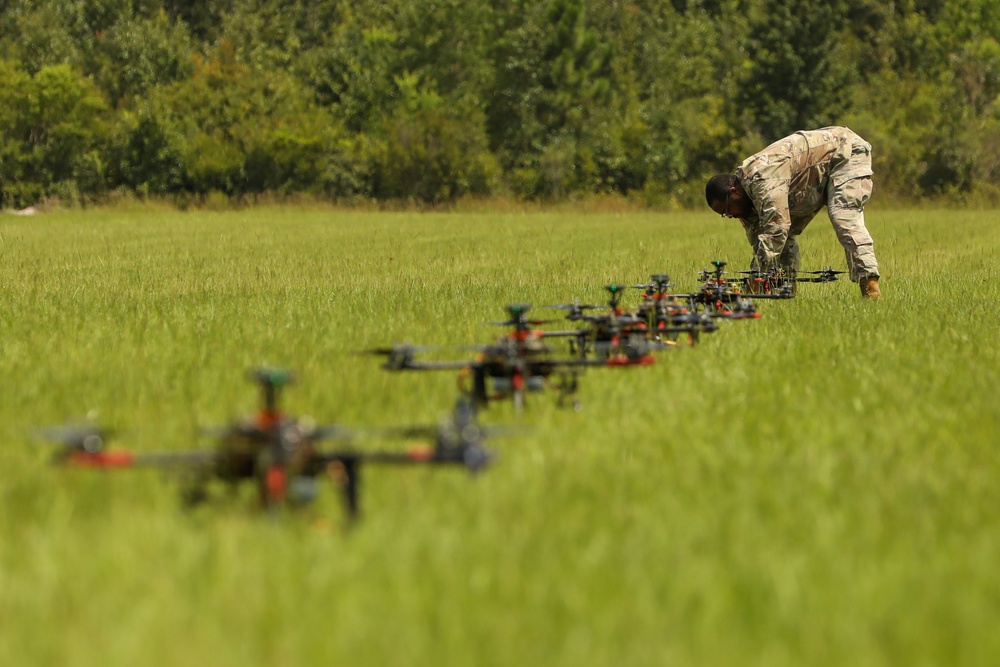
{"x": 817, "y": 487}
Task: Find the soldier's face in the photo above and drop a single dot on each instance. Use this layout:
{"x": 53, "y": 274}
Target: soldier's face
{"x": 725, "y": 207}
{"x": 734, "y": 205}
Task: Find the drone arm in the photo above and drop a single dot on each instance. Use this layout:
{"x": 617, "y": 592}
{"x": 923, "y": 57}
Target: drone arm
{"x": 126, "y": 458}
{"x": 768, "y": 239}
{"x": 434, "y": 366}
{"x": 121, "y": 458}
{"x": 564, "y": 334}
{"x": 345, "y": 468}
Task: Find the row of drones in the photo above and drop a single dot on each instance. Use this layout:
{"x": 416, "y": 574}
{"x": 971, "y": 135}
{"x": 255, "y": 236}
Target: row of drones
{"x": 280, "y": 455}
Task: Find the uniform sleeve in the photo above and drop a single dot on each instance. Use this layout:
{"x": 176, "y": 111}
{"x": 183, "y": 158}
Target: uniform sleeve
{"x": 770, "y": 198}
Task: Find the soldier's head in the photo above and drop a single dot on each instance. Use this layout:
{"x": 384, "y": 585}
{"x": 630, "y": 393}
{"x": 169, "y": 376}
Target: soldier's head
{"x": 725, "y": 195}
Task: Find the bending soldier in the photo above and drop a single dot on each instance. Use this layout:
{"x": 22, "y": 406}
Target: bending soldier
{"x": 778, "y": 191}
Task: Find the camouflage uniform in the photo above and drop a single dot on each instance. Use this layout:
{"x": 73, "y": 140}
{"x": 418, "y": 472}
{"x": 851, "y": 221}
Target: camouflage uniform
{"x": 792, "y": 179}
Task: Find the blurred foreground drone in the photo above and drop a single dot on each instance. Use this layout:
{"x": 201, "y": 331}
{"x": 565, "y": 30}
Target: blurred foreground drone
{"x": 278, "y": 453}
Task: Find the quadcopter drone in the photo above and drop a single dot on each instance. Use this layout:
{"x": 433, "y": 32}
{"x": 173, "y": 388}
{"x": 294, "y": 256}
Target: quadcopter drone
{"x": 507, "y": 369}
{"x": 275, "y": 452}
{"x": 782, "y": 282}
{"x": 617, "y": 337}
{"x": 668, "y": 315}
{"x": 720, "y": 297}
{"x": 522, "y": 361}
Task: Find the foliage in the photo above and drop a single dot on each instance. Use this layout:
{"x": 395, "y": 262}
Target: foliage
{"x": 51, "y": 127}
{"x": 137, "y": 54}
{"x": 433, "y": 153}
{"x": 796, "y": 75}
{"x": 554, "y": 98}
{"x": 232, "y": 130}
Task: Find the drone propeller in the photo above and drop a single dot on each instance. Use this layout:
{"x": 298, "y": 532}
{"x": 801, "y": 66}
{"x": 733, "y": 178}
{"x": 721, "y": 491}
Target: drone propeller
{"x": 398, "y": 357}
{"x": 76, "y": 438}
{"x": 399, "y": 348}
{"x": 823, "y": 276}
{"x": 521, "y": 322}
{"x": 658, "y": 283}
{"x": 827, "y": 271}
{"x": 576, "y": 309}
{"x": 517, "y": 317}
{"x": 576, "y": 305}
{"x": 83, "y": 446}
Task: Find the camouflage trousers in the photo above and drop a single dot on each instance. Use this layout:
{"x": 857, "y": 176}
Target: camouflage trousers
{"x": 847, "y": 193}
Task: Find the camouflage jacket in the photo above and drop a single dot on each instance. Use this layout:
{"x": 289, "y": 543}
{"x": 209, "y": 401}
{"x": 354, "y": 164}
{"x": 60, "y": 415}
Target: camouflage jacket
{"x": 787, "y": 183}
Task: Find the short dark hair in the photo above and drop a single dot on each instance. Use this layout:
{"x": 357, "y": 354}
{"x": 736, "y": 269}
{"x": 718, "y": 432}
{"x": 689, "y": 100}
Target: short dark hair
{"x": 718, "y": 187}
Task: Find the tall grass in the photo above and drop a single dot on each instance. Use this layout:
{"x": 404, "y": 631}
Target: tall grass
{"x": 817, "y": 487}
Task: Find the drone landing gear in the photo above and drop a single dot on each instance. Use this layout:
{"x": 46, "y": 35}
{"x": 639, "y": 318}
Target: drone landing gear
{"x": 194, "y": 495}
{"x": 194, "y": 490}
{"x": 344, "y": 473}
{"x": 568, "y": 386}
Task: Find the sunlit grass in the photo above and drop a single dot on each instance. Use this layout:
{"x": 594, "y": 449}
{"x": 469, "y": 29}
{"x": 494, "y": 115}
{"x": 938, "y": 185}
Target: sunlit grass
{"x": 815, "y": 487}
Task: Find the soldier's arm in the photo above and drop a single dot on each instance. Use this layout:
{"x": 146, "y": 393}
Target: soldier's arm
{"x": 771, "y": 201}
{"x": 751, "y": 235}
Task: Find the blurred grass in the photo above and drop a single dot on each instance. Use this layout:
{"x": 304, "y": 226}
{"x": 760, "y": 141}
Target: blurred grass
{"x": 815, "y": 487}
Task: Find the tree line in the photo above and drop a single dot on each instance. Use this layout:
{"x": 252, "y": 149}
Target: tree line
{"x": 433, "y": 100}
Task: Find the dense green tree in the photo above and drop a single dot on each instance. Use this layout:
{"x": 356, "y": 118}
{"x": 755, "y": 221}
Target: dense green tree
{"x": 353, "y": 72}
{"x": 265, "y": 35}
{"x": 797, "y": 73}
{"x": 203, "y": 18}
{"x": 433, "y": 152}
{"x": 235, "y": 130}
{"x": 137, "y": 53}
{"x": 554, "y": 92}
{"x": 35, "y": 35}
{"x": 51, "y": 128}
{"x": 686, "y": 80}
{"x": 535, "y": 98}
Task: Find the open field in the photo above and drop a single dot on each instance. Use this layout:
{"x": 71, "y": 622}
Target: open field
{"x": 817, "y": 487}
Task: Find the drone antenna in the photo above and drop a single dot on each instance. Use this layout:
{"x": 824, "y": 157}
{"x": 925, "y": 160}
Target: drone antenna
{"x": 719, "y": 266}
{"x": 518, "y": 315}
{"x": 616, "y": 291}
{"x": 271, "y": 379}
